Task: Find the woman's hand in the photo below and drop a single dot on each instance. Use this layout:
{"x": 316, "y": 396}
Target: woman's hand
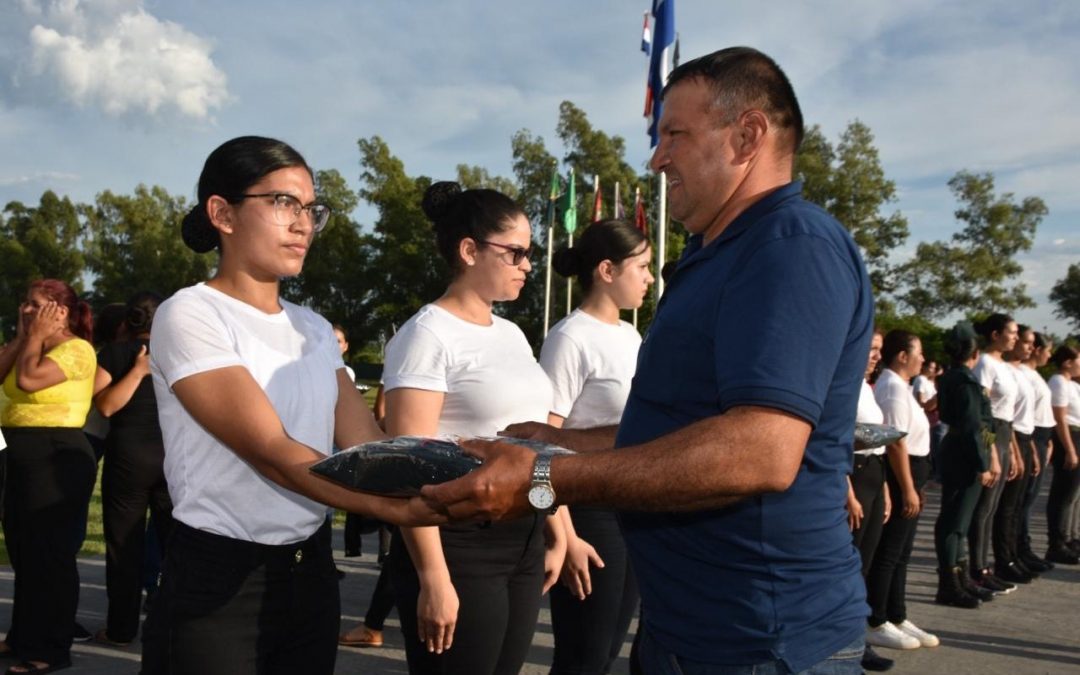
{"x": 888, "y": 505}
{"x": 1071, "y": 460}
{"x": 575, "y": 572}
{"x": 912, "y": 504}
{"x": 995, "y": 467}
{"x": 1016, "y": 469}
{"x": 854, "y": 510}
{"x": 436, "y": 614}
{"x": 987, "y": 478}
{"x": 49, "y": 320}
{"x": 142, "y": 362}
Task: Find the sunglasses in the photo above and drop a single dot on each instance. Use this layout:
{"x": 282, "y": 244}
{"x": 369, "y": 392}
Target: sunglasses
{"x": 517, "y": 253}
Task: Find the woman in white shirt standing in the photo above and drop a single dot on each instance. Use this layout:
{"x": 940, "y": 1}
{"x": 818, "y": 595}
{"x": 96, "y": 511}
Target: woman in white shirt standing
{"x": 590, "y": 357}
{"x": 998, "y": 334}
{"x": 251, "y": 391}
{"x": 907, "y": 471}
{"x": 1044, "y": 431}
{"x": 468, "y": 595}
{"x": 1061, "y": 505}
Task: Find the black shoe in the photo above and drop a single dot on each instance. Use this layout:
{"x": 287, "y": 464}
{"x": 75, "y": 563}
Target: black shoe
{"x": 952, "y": 590}
{"x": 871, "y": 660}
{"x": 1022, "y": 566}
{"x": 1074, "y": 546}
{"x": 994, "y": 584}
{"x": 80, "y": 634}
{"x": 1062, "y": 555}
{"x": 340, "y": 572}
{"x": 1035, "y": 563}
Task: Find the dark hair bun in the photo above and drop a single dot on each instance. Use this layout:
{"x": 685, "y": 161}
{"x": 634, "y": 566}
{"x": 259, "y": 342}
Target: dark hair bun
{"x": 567, "y": 261}
{"x": 439, "y": 200}
{"x": 199, "y": 235}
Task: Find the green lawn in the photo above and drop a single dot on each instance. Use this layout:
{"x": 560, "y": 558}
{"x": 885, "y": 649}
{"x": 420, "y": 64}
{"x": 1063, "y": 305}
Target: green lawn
{"x": 95, "y": 534}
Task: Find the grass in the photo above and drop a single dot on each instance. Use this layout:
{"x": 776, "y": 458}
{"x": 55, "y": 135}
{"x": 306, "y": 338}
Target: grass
{"x": 95, "y": 532}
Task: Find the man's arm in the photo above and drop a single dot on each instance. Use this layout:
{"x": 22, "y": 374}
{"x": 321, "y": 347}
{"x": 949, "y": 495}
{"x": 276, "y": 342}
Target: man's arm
{"x": 709, "y": 464}
{"x": 578, "y": 440}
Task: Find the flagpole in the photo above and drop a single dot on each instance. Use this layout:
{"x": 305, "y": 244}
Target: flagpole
{"x": 569, "y": 279}
{"x": 547, "y": 275}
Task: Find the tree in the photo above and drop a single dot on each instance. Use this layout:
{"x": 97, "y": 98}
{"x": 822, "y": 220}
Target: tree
{"x": 35, "y": 243}
{"x": 973, "y": 273}
{"x": 849, "y": 182}
{"x": 133, "y": 244}
{"x": 1066, "y": 295}
{"x": 333, "y": 282}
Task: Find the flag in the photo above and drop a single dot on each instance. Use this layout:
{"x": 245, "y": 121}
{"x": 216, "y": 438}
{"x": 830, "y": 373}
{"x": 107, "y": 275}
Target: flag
{"x": 598, "y": 202}
{"x": 639, "y": 214}
{"x": 664, "y": 34}
{"x": 570, "y": 205}
{"x": 618, "y": 212}
{"x": 675, "y": 56}
{"x": 553, "y": 196}
{"x": 646, "y": 39}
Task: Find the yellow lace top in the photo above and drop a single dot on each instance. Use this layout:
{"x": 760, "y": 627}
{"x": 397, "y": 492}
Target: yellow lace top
{"x": 61, "y": 405}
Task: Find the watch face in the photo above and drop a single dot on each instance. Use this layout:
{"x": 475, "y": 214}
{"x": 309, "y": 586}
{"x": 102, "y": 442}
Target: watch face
{"x": 541, "y": 497}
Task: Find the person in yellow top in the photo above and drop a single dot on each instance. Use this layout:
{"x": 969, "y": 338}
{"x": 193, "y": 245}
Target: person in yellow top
{"x": 48, "y": 379}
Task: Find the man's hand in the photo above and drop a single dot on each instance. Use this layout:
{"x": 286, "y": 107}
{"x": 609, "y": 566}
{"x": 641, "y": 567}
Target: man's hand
{"x": 536, "y": 431}
{"x": 498, "y": 490}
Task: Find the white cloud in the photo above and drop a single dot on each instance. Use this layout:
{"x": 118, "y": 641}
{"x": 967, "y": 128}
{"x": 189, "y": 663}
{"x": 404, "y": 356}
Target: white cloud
{"x": 116, "y": 56}
{"x": 39, "y": 177}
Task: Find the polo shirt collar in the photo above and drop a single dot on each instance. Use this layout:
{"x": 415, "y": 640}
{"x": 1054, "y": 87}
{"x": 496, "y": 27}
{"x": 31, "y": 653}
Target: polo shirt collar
{"x": 694, "y": 250}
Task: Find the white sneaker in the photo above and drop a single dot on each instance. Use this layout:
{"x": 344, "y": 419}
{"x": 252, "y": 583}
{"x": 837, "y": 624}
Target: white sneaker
{"x": 888, "y": 635}
{"x": 925, "y": 639}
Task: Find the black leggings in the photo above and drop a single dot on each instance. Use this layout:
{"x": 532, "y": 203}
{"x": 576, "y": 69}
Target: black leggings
{"x": 886, "y": 585}
{"x": 1041, "y": 441}
{"x": 980, "y": 532}
{"x": 498, "y": 574}
{"x": 1064, "y": 491}
{"x": 50, "y": 475}
{"x": 868, "y": 482}
{"x": 132, "y": 479}
{"x": 589, "y": 633}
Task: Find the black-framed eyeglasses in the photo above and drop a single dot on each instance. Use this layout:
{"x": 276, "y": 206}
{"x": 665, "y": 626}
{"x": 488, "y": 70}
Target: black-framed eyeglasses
{"x": 517, "y": 253}
{"x": 287, "y": 209}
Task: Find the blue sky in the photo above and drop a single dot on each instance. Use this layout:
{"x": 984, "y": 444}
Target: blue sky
{"x": 106, "y": 94}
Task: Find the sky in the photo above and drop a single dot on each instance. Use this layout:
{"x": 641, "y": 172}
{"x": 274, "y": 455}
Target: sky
{"x": 107, "y": 94}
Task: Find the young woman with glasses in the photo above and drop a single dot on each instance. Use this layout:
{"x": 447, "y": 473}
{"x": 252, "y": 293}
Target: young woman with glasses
{"x": 251, "y": 391}
{"x": 590, "y": 357}
{"x": 469, "y": 594}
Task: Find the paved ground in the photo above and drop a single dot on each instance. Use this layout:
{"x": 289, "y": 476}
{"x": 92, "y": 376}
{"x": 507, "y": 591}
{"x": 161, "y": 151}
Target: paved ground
{"x": 1034, "y": 630}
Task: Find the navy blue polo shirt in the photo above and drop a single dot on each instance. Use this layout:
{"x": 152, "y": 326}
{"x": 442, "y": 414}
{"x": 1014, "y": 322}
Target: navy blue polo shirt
{"x": 776, "y": 312}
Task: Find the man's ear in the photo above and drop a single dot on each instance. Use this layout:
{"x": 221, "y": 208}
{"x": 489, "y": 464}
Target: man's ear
{"x": 752, "y": 130}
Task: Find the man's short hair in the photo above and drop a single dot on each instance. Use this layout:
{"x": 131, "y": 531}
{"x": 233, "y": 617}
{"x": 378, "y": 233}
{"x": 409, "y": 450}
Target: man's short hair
{"x": 742, "y": 78}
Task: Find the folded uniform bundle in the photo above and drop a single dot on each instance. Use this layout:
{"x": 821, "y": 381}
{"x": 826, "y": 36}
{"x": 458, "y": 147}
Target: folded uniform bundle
{"x": 869, "y": 436}
{"x": 400, "y": 466}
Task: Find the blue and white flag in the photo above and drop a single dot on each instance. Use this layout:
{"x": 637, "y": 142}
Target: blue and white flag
{"x": 663, "y": 12}
{"x": 646, "y": 38}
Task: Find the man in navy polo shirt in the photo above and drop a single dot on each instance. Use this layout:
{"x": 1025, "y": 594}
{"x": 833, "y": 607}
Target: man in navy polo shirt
{"x": 737, "y": 436}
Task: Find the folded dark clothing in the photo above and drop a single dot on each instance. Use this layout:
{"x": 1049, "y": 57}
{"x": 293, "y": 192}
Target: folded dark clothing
{"x": 400, "y": 466}
{"x": 869, "y": 436}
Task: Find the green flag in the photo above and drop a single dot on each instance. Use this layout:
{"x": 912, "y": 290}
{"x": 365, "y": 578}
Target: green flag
{"x": 570, "y": 205}
{"x": 553, "y": 196}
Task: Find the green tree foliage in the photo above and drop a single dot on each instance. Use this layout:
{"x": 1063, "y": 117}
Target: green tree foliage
{"x": 404, "y": 270}
{"x": 37, "y": 242}
{"x": 975, "y": 272}
{"x": 850, "y": 183}
{"x": 133, "y": 244}
{"x": 1066, "y": 295}
{"x": 333, "y": 282}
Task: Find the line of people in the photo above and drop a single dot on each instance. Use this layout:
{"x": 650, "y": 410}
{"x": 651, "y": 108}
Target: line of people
{"x": 1003, "y": 427}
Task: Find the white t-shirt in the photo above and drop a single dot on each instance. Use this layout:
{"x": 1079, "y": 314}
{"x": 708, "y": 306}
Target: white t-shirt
{"x": 869, "y": 412}
{"x": 901, "y": 410}
{"x": 488, "y": 373}
{"x": 1024, "y": 417}
{"x": 924, "y": 388}
{"x": 1066, "y": 394}
{"x": 1044, "y": 412}
{"x": 590, "y": 364}
{"x": 998, "y": 378}
{"x": 294, "y": 357}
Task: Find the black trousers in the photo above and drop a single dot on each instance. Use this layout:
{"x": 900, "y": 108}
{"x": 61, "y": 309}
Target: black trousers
{"x": 868, "y": 482}
{"x": 50, "y": 475}
{"x": 1064, "y": 491}
{"x": 240, "y": 608}
{"x": 132, "y": 479}
{"x": 1041, "y": 440}
{"x": 981, "y": 530}
{"x": 1006, "y": 533}
{"x": 498, "y": 573}
{"x": 886, "y": 585}
{"x": 589, "y": 633}
{"x": 382, "y": 601}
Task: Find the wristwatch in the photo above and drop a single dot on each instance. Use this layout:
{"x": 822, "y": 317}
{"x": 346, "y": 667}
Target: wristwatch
{"x": 541, "y": 494}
